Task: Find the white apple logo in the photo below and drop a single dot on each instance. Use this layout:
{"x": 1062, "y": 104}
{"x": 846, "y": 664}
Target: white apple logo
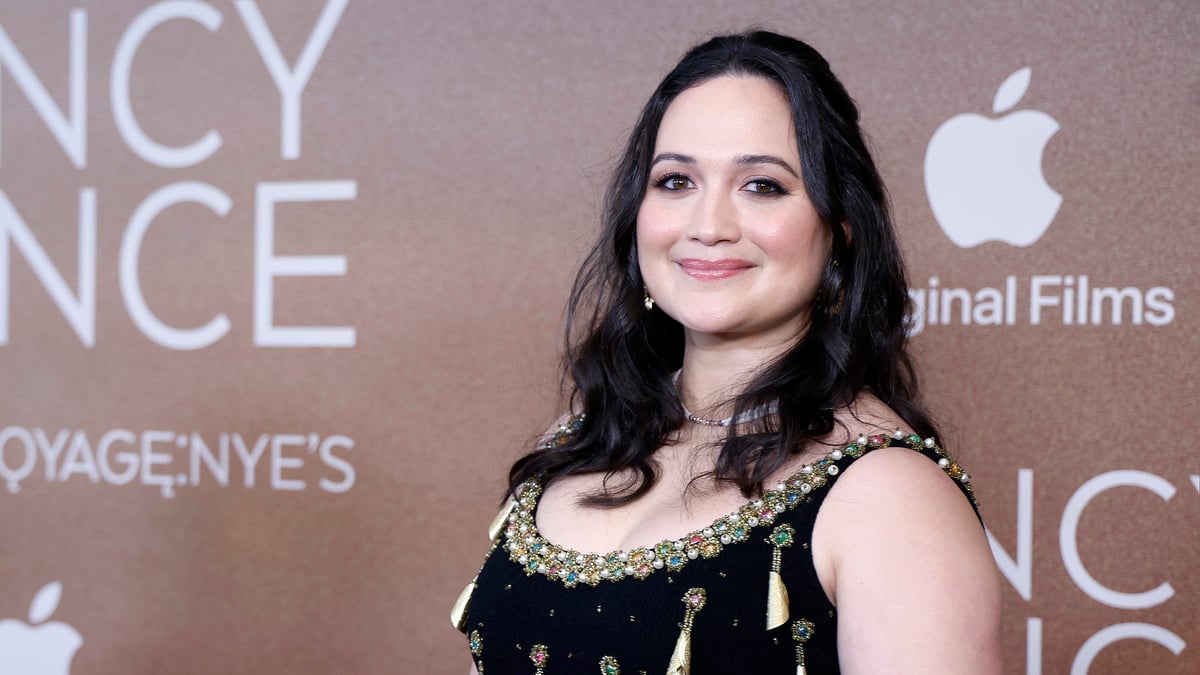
{"x": 984, "y": 176}
{"x": 47, "y": 649}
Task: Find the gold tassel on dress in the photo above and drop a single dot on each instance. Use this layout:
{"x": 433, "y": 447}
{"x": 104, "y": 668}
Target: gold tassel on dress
{"x": 802, "y": 630}
{"x": 777, "y": 595}
{"x": 777, "y": 599}
{"x": 681, "y": 658}
{"x": 499, "y": 521}
{"x": 458, "y": 613}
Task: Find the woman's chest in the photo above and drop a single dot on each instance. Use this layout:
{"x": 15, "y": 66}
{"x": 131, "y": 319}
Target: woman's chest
{"x": 671, "y": 507}
{"x": 715, "y": 609}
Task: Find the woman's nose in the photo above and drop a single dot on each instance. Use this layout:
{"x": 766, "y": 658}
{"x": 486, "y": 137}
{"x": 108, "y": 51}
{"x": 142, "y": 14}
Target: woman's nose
{"x": 715, "y": 219}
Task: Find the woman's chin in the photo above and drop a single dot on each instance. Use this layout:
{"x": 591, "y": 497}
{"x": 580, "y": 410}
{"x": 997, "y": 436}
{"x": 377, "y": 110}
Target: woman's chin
{"x": 712, "y": 329}
{"x": 709, "y": 322}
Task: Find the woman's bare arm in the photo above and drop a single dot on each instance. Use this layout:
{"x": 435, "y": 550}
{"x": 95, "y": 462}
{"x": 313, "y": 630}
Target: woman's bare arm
{"x": 913, "y": 578}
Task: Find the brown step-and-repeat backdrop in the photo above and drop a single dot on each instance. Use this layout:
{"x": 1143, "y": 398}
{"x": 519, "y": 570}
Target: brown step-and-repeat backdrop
{"x": 281, "y": 287}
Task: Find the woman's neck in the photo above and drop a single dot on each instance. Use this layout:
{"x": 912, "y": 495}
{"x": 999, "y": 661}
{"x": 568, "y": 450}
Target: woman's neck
{"x": 713, "y": 373}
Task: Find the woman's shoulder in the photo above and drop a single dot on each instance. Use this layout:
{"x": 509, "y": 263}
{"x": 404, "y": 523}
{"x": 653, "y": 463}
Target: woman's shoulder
{"x": 889, "y": 477}
{"x": 901, "y": 494}
{"x": 896, "y": 531}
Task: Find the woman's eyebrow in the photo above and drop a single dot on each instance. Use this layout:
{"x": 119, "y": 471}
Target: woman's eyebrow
{"x": 766, "y": 159}
{"x": 673, "y": 157}
{"x": 740, "y": 159}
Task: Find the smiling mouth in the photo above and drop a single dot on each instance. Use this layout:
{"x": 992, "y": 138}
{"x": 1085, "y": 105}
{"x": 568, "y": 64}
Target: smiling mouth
{"x": 713, "y": 269}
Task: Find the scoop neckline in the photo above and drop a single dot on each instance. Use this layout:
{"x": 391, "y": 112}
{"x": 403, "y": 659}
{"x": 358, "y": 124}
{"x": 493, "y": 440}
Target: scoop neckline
{"x": 538, "y": 555}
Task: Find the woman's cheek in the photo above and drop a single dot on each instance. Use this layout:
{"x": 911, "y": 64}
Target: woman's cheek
{"x": 655, "y": 234}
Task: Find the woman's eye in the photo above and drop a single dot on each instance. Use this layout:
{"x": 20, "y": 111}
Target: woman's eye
{"x": 674, "y": 182}
{"x": 762, "y": 186}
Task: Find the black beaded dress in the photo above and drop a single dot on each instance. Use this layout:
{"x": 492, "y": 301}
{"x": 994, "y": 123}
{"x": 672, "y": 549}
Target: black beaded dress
{"x": 739, "y": 596}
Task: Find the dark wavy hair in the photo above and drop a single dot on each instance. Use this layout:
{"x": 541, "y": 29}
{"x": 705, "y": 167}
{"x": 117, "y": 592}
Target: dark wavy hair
{"x": 619, "y": 357}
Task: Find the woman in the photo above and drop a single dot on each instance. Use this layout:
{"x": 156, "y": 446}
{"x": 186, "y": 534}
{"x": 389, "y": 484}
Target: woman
{"x": 748, "y": 482}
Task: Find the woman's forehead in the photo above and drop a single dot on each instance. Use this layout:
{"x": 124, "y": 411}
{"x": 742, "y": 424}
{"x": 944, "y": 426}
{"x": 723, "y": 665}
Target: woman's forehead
{"x": 726, "y": 117}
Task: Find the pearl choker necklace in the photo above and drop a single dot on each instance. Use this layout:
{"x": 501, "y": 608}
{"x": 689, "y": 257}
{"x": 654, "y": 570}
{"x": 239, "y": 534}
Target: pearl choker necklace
{"x": 748, "y": 416}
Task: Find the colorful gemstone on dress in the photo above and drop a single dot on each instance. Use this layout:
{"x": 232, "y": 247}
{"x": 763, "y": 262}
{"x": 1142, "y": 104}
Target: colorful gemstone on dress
{"x": 609, "y": 666}
{"x": 695, "y": 598}
{"x": 565, "y": 431}
{"x": 802, "y": 630}
{"x": 784, "y": 535}
{"x": 539, "y": 655}
{"x": 476, "y": 643}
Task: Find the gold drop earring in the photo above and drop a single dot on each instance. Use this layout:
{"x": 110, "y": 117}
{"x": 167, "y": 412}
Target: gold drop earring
{"x": 647, "y": 301}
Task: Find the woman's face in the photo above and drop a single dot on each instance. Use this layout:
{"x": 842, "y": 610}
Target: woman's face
{"x": 728, "y": 242}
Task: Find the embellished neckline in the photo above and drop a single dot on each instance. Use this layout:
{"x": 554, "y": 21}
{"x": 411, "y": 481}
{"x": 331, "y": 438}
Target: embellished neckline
{"x": 536, "y": 555}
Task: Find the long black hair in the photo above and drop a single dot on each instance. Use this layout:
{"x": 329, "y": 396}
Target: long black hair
{"x": 619, "y": 356}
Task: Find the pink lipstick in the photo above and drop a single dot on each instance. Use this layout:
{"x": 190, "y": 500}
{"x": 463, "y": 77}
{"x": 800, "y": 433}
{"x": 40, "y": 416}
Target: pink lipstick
{"x": 713, "y": 269}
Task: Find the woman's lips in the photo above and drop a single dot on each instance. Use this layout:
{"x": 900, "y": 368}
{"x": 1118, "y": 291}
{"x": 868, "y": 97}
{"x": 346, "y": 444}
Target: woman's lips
{"x": 713, "y": 269}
